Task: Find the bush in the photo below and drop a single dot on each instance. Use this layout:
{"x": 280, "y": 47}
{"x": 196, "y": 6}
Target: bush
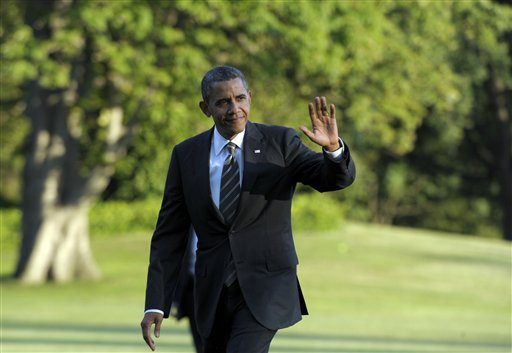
{"x": 105, "y": 218}
{"x": 311, "y": 211}
{"x": 316, "y": 211}
{"x": 121, "y": 217}
{"x": 10, "y": 221}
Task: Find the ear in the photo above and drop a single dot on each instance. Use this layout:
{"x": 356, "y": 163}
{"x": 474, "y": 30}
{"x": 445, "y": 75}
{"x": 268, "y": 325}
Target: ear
{"x": 204, "y": 108}
{"x": 250, "y": 96}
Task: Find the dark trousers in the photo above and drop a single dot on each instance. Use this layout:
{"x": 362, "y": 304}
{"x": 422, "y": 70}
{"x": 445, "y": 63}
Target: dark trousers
{"x": 235, "y": 329}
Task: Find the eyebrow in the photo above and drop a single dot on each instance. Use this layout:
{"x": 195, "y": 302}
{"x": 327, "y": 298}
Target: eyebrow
{"x": 227, "y": 98}
{"x": 221, "y": 100}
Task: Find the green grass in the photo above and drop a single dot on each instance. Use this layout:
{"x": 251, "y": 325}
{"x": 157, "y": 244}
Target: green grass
{"x": 369, "y": 289}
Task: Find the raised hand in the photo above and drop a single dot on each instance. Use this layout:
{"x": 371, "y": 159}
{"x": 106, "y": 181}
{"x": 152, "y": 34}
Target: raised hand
{"x": 325, "y": 129}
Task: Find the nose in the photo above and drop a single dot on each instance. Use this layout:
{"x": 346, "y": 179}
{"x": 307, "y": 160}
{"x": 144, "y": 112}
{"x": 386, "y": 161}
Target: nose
{"x": 233, "y": 107}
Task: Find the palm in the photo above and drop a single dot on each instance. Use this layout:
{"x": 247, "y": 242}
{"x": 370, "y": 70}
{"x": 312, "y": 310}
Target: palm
{"x": 325, "y": 129}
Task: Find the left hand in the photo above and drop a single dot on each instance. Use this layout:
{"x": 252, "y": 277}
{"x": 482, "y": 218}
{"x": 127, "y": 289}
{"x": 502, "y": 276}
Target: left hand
{"x": 325, "y": 129}
{"x": 149, "y": 320}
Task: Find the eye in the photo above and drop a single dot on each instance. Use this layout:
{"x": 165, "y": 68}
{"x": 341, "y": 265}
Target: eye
{"x": 220, "y": 103}
{"x": 241, "y": 98}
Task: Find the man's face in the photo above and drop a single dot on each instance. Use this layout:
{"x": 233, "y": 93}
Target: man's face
{"x": 229, "y": 105}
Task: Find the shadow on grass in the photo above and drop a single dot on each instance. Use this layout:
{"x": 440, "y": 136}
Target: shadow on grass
{"x": 100, "y": 345}
{"x": 100, "y": 337}
{"x": 38, "y": 336}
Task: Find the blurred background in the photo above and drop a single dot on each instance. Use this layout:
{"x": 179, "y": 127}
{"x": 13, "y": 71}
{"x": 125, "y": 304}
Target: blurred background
{"x": 95, "y": 94}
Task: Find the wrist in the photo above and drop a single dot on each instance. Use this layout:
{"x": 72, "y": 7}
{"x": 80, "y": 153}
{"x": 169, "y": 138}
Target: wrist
{"x": 333, "y": 147}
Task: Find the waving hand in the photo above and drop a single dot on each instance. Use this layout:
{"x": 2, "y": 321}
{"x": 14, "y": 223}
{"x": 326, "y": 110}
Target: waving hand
{"x": 325, "y": 129}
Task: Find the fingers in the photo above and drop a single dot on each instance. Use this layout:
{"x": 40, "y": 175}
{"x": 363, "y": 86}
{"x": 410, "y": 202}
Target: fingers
{"x": 146, "y": 334}
{"x": 320, "y": 110}
{"x": 148, "y": 321}
{"x": 323, "y": 106}
{"x": 312, "y": 114}
{"x": 320, "y": 106}
{"x": 158, "y": 323}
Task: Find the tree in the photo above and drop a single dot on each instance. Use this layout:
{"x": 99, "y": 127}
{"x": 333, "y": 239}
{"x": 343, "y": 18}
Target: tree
{"x": 423, "y": 113}
{"x": 108, "y": 87}
{"x": 469, "y": 163}
{"x": 86, "y": 73}
{"x": 78, "y": 80}
{"x": 488, "y": 140}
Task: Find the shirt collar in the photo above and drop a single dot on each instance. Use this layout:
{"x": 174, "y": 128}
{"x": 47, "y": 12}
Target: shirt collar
{"x": 219, "y": 142}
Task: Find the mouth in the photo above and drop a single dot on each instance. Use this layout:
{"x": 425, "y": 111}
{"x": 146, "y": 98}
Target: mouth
{"x": 234, "y": 119}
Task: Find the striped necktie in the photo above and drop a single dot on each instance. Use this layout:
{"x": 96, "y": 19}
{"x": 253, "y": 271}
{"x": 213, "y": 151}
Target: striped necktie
{"x": 229, "y": 186}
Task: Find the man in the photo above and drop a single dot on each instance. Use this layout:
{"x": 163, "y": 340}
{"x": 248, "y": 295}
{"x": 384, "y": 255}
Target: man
{"x": 234, "y": 184}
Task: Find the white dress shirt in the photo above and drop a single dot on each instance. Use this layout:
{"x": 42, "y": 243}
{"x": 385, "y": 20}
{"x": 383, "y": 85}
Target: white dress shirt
{"x": 218, "y": 155}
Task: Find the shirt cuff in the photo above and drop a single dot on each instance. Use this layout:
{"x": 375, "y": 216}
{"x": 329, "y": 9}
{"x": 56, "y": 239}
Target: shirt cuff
{"x": 336, "y": 156}
{"x": 154, "y": 311}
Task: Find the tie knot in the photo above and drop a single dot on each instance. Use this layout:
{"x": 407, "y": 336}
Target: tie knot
{"x": 231, "y": 148}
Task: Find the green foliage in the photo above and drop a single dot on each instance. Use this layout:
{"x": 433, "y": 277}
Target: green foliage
{"x": 12, "y": 134}
{"x": 115, "y": 218}
{"x": 312, "y": 211}
{"x": 409, "y": 80}
{"x": 10, "y": 223}
{"x": 112, "y": 219}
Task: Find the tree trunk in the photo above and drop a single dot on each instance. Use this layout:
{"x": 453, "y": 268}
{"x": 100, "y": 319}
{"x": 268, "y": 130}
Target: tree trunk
{"x": 55, "y": 240}
{"x": 61, "y": 249}
{"x": 56, "y": 194}
{"x": 56, "y": 198}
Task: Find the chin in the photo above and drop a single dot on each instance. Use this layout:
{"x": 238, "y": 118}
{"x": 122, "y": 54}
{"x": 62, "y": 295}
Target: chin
{"x": 239, "y": 126}
{"x": 234, "y": 128}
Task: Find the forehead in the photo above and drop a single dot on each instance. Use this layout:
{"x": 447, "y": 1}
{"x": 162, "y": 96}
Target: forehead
{"x": 228, "y": 88}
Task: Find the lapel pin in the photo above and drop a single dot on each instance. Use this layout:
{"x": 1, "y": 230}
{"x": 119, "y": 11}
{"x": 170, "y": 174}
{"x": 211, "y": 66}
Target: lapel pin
{"x": 257, "y": 151}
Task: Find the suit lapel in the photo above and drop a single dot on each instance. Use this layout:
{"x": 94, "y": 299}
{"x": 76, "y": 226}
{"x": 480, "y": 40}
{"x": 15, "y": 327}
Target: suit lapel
{"x": 201, "y": 172}
{"x": 254, "y": 149}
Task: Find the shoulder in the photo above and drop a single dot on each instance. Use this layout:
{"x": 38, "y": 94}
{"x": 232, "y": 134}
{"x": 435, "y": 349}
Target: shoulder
{"x": 194, "y": 141}
{"x": 274, "y": 132}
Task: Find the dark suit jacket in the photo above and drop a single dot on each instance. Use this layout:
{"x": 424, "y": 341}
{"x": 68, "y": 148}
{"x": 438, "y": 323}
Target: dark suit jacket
{"x": 184, "y": 287}
{"x": 260, "y": 238}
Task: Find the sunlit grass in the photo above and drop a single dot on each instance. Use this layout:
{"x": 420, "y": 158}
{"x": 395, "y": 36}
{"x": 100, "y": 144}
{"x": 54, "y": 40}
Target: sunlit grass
{"x": 368, "y": 288}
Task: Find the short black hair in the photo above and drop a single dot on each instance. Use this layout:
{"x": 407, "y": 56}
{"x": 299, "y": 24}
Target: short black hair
{"x": 219, "y": 74}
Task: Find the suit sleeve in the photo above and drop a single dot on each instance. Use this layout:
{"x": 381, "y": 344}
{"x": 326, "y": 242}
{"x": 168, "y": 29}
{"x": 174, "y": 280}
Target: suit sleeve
{"x": 168, "y": 244}
{"x": 317, "y": 169}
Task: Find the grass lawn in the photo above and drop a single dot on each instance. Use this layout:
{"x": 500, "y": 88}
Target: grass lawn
{"x": 369, "y": 289}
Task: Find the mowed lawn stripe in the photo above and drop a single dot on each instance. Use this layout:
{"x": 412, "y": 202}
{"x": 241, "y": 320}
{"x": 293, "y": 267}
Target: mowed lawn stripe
{"x": 369, "y": 288}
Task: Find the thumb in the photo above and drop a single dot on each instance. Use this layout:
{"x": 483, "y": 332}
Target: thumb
{"x": 306, "y": 131}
